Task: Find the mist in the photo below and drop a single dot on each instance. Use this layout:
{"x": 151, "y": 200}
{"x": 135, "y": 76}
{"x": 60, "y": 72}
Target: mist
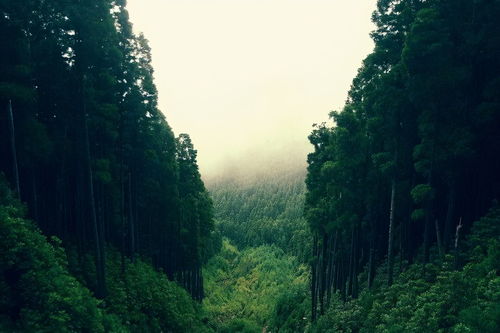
{"x": 247, "y": 79}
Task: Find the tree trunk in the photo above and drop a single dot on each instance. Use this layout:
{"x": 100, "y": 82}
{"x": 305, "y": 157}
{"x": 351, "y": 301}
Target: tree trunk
{"x": 351, "y": 265}
{"x": 409, "y": 224}
{"x": 343, "y": 280}
{"x": 15, "y": 170}
{"x": 428, "y": 215}
{"x": 332, "y": 270}
{"x": 131, "y": 219}
{"x": 391, "y": 236}
{"x": 313, "y": 279}
{"x": 323, "y": 274}
{"x": 35, "y": 199}
{"x": 402, "y": 227}
{"x": 371, "y": 261}
{"x": 355, "y": 263}
{"x": 427, "y": 227}
{"x": 438, "y": 237}
{"x": 202, "y": 287}
{"x": 100, "y": 267}
{"x": 457, "y": 239}
{"x": 449, "y": 218}
{"x": 122, "y": 219}
{"x": 426, "y": 239}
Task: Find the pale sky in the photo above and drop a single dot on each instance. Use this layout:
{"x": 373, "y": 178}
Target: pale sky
{"x": 250, "y": 77}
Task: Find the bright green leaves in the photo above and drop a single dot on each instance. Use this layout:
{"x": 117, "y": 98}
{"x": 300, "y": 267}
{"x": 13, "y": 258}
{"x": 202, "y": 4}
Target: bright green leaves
{"x": 38, "y": 293}
{"x": 247, "y": 284}
{"x": 148, "y": 302}
{"x": 422, "y": 193}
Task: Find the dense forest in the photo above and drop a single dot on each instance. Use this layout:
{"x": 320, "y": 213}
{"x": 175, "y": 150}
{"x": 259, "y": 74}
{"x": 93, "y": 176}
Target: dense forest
{"x": 107, "y": 226}
{"x": 98, "y": 168}
{"x": 402, "y": 190}
{"x": 265, "y": 251}
{"x": 263, "y": 208}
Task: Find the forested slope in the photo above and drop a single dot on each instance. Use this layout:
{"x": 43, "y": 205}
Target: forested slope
{"x": 396, "y": 188}
{"x": 263, "y": 208}
{"x": 46, "y": 288}
{"x": 262, "y": 265}
{"x": 84, "y": 145}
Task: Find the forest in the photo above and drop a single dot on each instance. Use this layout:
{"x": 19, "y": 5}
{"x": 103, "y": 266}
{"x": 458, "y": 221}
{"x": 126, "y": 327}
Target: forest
{"x": 402, "y": 192}
{"x": 106, "y": 224}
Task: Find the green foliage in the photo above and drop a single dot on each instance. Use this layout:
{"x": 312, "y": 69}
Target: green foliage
{"x": 340, "y": 317}
{"x": 240, "y": 326}
{"x": 101, "y": 170}
{"x": 37, "y": 292}
{"x": 197, "y": 222}
{"x": 266, "y": 210}
{"x": 446, "y": 301}
{"x": 247, "y": 284}
{"x": 409, "y": 163}
{"x": 291, "y": 311}
{"x": 486, "y": 231}
{"x": 98, "y": 164}
{"x": 40, "y": 294}
{"x": 422, "y": 193}
{"x": 146, "y": 301}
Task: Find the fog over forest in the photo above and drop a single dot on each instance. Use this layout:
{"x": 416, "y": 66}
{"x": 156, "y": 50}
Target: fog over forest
{"x": 247, "y": 79}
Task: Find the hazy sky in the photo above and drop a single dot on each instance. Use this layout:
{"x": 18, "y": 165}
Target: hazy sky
{"x": 250, "y": 77}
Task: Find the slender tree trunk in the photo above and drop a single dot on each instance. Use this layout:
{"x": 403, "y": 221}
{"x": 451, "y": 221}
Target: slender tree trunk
{"x": 332, "y": 270}
{"x": 371, "y": 252}
{"x": 15, "y": 170}
{"x": 328, "y": 264}
{"x": 409, "y": 225}
{"x": 457, "y": 239}
{"x": 402, "y": 226}
{"x": 63, "y": 218}
{"x": 428, "y": 215}
{"x": 371, "y": 262}
{"x": 391, "y": 236}
{"x": 131, "y": 219}
{"x": 351, "y": 264}
{"x": 122, "y": 218}
{"x": 78, "y": 208}
{"x": 449, "y": 218}
{"x": 202, "y": 286}
{"x": 102, "y": 244}
{"x": 438, "y": 237}
{"x": 426, "y": 240}
{"x": 343, "y": 280}
{"x": 403, "y": 230}
{"x": 337, "y": 275}
{"x": 355, "y": 263}
{"x": 427, "y": 227}
{"x": 323, "y": 274}
{"x": 150, "y": 232}
{"x": 313, "y": 279}
{"x": 35, "y": 198}
{"x": 100, "y": 267}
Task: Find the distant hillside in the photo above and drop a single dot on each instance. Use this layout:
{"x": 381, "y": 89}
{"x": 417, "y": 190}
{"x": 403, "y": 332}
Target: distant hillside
{"x": 263, "y": 208}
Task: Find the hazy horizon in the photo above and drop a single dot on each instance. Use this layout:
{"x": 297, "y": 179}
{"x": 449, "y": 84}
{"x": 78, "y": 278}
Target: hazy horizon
{"x": 246, "y": 79}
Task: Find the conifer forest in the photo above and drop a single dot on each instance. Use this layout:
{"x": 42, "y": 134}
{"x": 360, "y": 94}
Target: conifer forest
{"x": 390, "y": 224}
